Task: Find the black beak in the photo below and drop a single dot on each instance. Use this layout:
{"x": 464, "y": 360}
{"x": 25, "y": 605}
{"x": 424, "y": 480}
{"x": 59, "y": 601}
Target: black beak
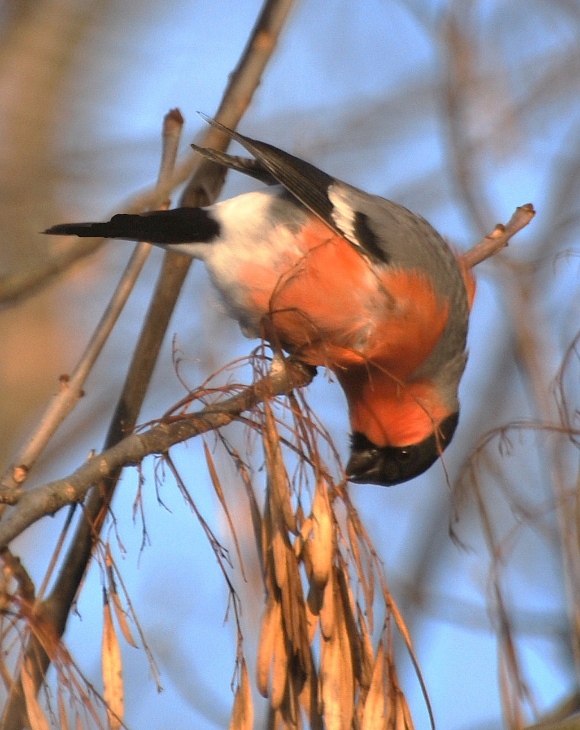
{"x": 389, "y": 465}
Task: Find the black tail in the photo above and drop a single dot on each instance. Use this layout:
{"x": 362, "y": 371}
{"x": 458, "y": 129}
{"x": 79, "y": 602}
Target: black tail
{"x": 180, "y": 225}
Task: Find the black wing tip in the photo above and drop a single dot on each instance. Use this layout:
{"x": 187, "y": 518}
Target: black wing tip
{"x": 246, "y": 165}
{"x": 222, "y": 127}
{"x": 252, "y": 145}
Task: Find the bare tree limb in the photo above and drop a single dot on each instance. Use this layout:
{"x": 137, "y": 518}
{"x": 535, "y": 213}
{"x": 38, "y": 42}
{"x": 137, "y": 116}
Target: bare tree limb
{"x": 47, "y": 499}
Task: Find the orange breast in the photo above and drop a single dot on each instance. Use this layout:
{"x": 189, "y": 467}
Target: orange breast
{"x": 387, "y": 411}
{"x": 331, "y": 307}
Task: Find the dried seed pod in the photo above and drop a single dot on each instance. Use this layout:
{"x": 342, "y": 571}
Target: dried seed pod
{"x": 243, "y": 711}
{"x": 322, "y": 536}
{"x": 271, "y": 624}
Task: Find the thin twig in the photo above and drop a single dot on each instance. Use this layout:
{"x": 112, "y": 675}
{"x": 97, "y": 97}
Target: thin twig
{"x": 172, "y": 126}
{"x": 499, "y": 237}
{"x": 72, "y": 387}
{"x": 459, "y": 78}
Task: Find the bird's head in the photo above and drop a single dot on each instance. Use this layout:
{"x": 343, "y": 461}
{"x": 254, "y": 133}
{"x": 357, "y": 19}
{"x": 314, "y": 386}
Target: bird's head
{"x": 389, "y": 465}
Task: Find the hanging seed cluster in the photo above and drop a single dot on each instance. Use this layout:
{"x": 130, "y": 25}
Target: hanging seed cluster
{"x": 316, "y": 661}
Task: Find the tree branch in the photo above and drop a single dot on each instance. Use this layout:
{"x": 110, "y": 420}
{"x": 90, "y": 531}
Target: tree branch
{"x": 49, "y": 498}
{"x": 499, "y": 237}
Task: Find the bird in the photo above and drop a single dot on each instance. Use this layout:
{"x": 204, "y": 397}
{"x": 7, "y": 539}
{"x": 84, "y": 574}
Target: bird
{"x": 339, "y": 278}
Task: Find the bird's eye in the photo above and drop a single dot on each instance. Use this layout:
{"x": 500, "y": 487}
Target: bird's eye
{"x": 403, "y": 455}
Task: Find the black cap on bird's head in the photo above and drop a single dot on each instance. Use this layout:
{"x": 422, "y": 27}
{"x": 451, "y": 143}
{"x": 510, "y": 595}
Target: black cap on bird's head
{"x": 390, "y": 465}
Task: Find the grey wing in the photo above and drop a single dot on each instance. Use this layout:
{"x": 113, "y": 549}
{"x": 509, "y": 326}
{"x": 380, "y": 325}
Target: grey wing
{"x": 346, "y": 210}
